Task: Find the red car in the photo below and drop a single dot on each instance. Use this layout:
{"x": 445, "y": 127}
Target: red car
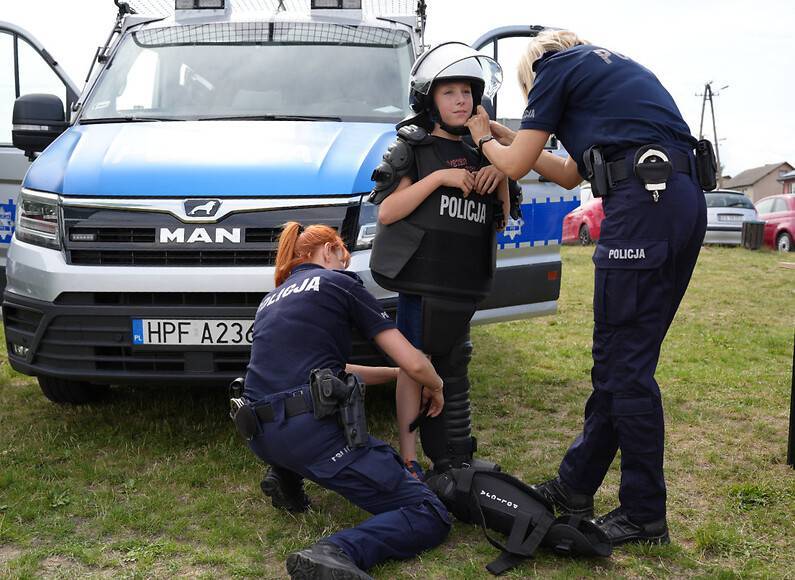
{"x": 583, "y": 224}
{"x": 778, "y": 213}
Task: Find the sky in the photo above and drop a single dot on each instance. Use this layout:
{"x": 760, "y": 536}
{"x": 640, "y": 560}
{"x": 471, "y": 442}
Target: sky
{"x": 746, "y": 46}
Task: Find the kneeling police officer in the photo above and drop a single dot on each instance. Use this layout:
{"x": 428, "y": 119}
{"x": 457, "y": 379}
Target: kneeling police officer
{"x": 303, "y": 414}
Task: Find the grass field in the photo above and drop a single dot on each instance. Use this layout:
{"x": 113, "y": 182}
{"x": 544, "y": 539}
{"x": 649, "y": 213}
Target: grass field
{"x": 155, "y": 483}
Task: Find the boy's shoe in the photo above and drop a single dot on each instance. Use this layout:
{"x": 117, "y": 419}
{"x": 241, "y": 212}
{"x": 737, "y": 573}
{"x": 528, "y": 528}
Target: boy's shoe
{"x": 565, "y": 501}
{"x": 323, "y": 561}
{"x": 415, "y": 469}
{"x": 285, "y": 489}
{"x": 622, "y": 530}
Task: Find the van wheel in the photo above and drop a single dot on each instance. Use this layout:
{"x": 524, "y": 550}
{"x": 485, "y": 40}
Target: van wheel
{"x": 63, "y": 391}
{"x": 784, "y": 242}
{"x": 585, "y": 236}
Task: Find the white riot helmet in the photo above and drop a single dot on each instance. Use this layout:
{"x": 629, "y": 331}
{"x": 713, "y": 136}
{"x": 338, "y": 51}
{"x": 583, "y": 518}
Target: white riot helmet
{"x": 450, "y": 61}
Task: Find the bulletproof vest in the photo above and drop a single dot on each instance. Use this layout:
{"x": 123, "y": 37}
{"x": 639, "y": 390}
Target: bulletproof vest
{"x": 445, "y": 247}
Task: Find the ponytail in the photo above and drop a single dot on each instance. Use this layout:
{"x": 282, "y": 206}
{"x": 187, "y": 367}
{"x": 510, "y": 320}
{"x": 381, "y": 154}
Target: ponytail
{"x": 296, "y": 245}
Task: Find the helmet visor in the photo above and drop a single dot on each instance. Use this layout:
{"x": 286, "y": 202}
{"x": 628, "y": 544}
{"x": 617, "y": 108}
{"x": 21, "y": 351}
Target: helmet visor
{"x": 455, "y": 60}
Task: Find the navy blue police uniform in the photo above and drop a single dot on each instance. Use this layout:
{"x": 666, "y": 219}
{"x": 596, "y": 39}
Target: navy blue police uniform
{"x": 589, "y": 96}
{"x": 305, "y": 324}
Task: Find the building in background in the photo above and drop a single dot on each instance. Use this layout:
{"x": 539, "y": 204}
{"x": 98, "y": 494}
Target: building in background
{"x": 761, "y": 182}
{"x": 788, "y": 182}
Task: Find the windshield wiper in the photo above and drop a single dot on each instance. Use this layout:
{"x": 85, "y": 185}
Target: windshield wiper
{"x": 271, "y": 118}
{"x": 127, "y": 119}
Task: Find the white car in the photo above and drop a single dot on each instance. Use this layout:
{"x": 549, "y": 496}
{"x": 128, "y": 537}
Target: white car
{"x": 726, "y": 212}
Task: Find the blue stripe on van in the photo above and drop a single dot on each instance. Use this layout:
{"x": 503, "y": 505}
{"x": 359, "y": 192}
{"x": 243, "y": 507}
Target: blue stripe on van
{"x": 541, "y": 223}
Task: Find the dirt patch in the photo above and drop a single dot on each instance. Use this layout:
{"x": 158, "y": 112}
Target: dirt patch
{"x": 61, "y": 567}
{"x": 8, "y": 553}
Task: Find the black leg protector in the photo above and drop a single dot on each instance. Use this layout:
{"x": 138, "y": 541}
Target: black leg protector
{"x": 447, "y": 439}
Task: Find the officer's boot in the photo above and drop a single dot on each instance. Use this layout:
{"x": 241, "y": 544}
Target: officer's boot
{"x": 447, "y": 439}
{"x": 564, "y": 499}
{"x": 622, "y": 530}
{"x": 285, "y": 488}
{"x": 323, "y": 561}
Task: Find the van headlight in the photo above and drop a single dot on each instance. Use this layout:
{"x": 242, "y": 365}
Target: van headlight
{"x": 37, "y": 219}
{"x": 368, "y": 220}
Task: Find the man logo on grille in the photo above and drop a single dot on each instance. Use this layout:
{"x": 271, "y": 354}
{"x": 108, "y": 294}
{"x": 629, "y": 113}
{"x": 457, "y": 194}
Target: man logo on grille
{"x": 205, "y": 207}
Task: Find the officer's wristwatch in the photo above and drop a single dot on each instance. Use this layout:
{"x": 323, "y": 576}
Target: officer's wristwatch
{"x": 484, "y": 139}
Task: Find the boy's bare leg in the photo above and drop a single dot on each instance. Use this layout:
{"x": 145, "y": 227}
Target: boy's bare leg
{"x": 407, "y": 398}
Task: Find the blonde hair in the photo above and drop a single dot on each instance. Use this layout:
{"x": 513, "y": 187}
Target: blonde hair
{"x": 546, "y": 41}
{"x": 297, "y": 243}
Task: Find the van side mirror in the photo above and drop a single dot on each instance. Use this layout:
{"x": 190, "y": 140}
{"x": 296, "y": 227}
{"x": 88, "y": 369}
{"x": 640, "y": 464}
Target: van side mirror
{"x": 37, "y": 121}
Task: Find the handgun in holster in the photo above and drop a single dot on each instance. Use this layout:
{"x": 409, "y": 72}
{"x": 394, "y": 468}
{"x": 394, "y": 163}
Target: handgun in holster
{"x": 596, "y": 171}
{"x": 342, "y": 394}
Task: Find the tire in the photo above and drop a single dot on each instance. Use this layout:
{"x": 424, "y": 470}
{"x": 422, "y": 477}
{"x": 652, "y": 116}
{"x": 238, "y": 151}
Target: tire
{"x": 584, "y": 236}
{"x": 63, "y": 391}
{"x": 784, "y": 242}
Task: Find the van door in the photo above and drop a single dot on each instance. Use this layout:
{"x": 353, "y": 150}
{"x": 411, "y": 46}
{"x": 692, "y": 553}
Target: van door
{"x": 25, "y": 67}
{"x": 528, "y": 248}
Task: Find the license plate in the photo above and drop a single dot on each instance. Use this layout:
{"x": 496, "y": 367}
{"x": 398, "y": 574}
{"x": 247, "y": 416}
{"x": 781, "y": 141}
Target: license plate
{"x": 730, "y": 217}
{"x": 191, "y": 332}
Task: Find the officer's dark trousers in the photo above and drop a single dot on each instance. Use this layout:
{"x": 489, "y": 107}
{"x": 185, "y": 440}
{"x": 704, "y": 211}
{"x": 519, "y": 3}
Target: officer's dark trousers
{"x": 408, "y": 517}
{"x": 646, "y": 254}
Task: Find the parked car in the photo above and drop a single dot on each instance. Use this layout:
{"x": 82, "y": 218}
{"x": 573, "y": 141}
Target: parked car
{"x": 726, "y": 212}
{"x": 583, "y": 224}
{"x": 778, "y": 212}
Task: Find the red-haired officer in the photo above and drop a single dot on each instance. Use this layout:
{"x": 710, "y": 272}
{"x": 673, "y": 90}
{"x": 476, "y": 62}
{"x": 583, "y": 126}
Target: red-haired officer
{"x": 305, "y": 324}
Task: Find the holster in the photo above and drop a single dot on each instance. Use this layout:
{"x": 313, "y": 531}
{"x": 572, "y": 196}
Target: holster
{"x": 342, "y": 394}
{"x": 596, "y": 171}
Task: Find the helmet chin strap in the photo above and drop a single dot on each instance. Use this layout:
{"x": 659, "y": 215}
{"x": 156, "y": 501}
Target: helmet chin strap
{"x": 459, "y": 131}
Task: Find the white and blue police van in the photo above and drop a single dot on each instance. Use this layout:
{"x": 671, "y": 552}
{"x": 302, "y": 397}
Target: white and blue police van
{"x": 146, "y": 226}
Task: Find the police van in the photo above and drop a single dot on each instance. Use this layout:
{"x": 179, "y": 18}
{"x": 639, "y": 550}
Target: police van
{"x": 147, "y": 224}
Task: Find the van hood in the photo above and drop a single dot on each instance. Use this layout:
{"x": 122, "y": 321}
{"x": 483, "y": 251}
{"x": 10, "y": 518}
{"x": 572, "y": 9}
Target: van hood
{"x": 212, "y": 159}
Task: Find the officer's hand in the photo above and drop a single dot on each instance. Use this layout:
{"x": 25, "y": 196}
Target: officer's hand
{"x": 502, "y": 134}
{"x": 460, "y": 178}
{"x": 436, "y": 399}
{"x": 478, "y": 124}
{"x": 487, "y": 179}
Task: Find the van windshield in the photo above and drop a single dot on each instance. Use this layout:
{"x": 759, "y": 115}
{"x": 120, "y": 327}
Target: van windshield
{"x": 256, "y": 70}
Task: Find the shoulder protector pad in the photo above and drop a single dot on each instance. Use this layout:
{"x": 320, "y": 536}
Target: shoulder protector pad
{"x": 414, "y": 135}
{"x": 396, "y": 161}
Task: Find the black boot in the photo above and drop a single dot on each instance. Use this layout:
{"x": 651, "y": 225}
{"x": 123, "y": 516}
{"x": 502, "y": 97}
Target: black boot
{"x": 323, "y": 561}
{"x": 621, "y": 530}
{"x": 565, "y": 501}
{"x": 286, "y": 489}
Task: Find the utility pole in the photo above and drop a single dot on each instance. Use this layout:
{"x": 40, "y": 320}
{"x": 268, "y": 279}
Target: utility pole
{"x": 707, "y": 96}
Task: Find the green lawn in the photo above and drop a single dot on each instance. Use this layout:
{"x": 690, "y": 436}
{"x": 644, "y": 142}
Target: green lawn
{"x": 155, "y": 483}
